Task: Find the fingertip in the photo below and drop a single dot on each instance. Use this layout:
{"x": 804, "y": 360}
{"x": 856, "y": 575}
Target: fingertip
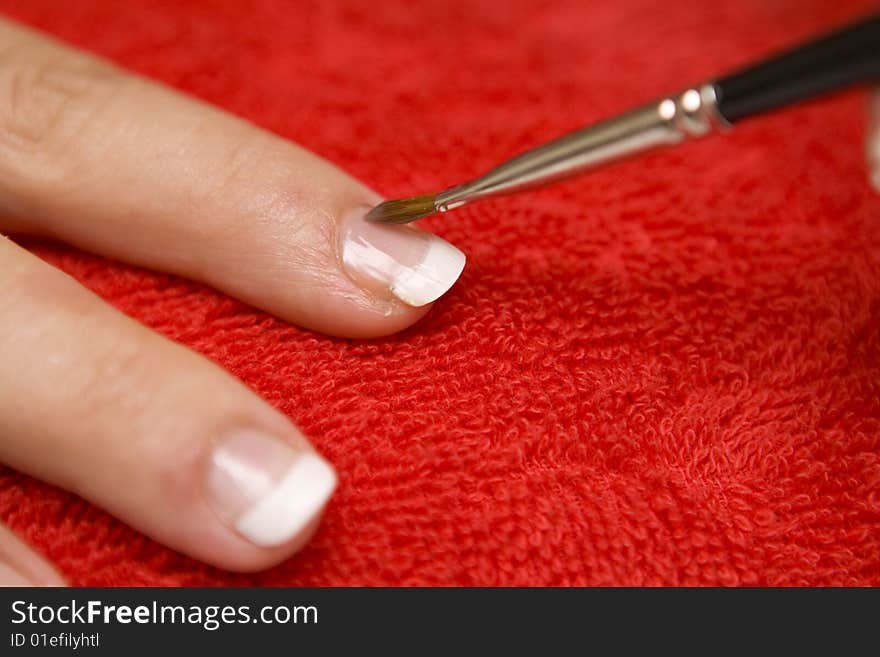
{"x": 872, "y": 140}
{"x": 12, "y": 577}
{"x": 435, "y": 274}
{"x": 372, "y": 280}
{"x": 335, "y": 273}
{"x": 269, "y": 491}
{"x": 398, "y": 261}
{"x": 20, "y": 565}
{"x": 250, "y": 558}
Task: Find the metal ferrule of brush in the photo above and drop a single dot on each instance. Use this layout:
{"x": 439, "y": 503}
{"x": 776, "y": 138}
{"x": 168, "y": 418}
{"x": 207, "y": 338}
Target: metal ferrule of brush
{"x": 664, "y": 122}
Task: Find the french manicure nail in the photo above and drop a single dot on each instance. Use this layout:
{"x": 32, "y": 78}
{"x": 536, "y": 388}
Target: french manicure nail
{"x": 410, "y": 264}
{"x": 265, "y": 489}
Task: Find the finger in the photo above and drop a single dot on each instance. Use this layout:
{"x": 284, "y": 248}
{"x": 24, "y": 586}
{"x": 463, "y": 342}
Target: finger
{"x": 21, "y": 566}
{"x": 872, "y": 142}
{"x": 95, "y": 403}
{"x": 132, "y": 170}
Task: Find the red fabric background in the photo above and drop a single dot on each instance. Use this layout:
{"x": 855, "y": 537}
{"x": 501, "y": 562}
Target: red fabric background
{"x": 664, "y": 373}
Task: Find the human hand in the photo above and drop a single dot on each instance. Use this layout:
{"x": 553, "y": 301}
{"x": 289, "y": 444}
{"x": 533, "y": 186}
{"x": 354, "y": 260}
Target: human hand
{"x": 872, "y": 143}
{"x": 99, "y": 405}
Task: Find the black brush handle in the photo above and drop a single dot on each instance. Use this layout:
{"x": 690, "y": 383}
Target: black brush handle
{"x": 849, "y": 56}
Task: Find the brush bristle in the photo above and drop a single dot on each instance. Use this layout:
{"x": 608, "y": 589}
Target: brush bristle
{"x": 404, "y": 210}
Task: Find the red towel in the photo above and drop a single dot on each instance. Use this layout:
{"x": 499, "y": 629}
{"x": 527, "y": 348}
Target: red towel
{"x": 667, "y": 372}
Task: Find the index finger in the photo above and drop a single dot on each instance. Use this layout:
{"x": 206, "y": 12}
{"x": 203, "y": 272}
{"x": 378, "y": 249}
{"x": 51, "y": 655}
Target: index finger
{"x": 127, "y": 168}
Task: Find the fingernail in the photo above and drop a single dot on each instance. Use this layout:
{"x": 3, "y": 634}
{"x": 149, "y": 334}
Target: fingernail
{"x": 265, "y": 489}
{"x": 402, "y": 261}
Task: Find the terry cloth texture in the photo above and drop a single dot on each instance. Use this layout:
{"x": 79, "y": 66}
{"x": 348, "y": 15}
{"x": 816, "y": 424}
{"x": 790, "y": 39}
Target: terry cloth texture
{"x": 667, "y": 372}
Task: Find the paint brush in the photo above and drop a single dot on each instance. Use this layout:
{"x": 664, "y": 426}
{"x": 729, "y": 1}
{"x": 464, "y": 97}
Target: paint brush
{"x": 829, "y": 63}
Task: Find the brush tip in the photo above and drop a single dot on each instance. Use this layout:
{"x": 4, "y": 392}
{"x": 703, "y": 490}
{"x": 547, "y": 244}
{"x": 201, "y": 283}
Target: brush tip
{"x": 404, "y": 210}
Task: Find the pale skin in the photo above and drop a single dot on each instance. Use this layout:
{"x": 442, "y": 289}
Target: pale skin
{"x": 93, "y": 402}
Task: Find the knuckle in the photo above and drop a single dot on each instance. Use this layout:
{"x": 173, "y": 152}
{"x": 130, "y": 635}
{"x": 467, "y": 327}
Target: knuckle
{"x": 112, "y": 383}
{"x": 124, "y": 386}
{"x": 47, "y": 99}
{"x": 276, "y": 200}
{"x": 240, "y": 156}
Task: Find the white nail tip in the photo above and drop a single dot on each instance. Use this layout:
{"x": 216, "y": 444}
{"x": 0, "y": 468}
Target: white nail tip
{"x": 285, "y": 510}
{"x": 432, "y": 277}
